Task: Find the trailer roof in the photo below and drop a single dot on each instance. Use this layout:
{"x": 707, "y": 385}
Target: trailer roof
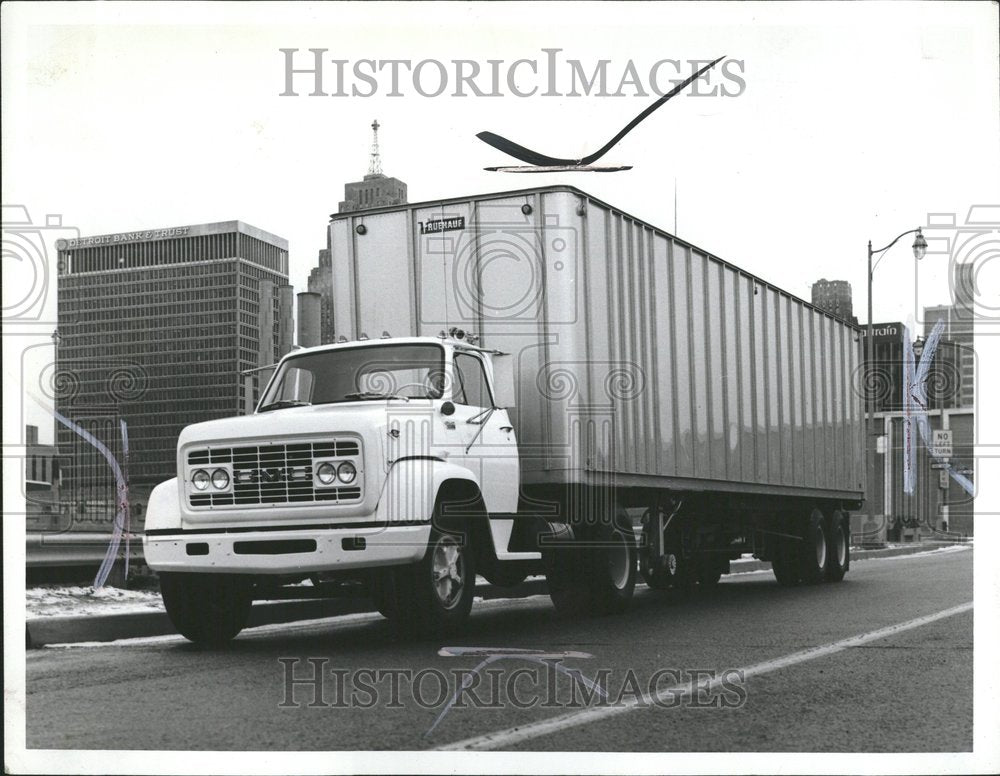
{"x": 599, "y": 202}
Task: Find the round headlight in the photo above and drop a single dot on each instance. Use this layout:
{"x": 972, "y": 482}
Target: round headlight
{"x": 200, "y": 479}
{"x": 347, "y": 472}
{"x": 326, "y": 473}
{"x": 220, "y": 479}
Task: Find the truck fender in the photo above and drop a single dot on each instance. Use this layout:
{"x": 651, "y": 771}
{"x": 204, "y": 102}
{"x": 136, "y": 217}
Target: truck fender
{"x": 163, "y": 509}
{"x": 412, "y": 486}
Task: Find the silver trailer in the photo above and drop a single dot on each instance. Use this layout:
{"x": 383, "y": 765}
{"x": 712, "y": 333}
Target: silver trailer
{"x": 652, "y": 377}
{"x": 639, "y": 357}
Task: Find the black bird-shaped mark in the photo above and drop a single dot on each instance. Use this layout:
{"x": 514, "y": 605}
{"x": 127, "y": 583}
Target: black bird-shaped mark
{"x": 541, "y": 160}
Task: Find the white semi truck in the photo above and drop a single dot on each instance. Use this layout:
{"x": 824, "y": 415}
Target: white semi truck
{"x": 526, "y": 382}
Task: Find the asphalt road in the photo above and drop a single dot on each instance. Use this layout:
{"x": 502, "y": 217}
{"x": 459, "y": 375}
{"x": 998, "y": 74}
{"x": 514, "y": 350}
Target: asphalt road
{"x": 881, "y": 662}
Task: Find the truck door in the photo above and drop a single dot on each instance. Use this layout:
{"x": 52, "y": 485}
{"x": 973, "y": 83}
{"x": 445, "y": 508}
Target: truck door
{"x": 489, "y": 446}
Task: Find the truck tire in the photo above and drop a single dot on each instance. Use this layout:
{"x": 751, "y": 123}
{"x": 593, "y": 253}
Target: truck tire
{"x": 208, "y": 609}
{"x": 566, "y": 569}
{"x": 597, "y": 577}
{"x": 613, "y": 580}
{"x": 383, "y": 592}
{"x": 785, "y": 563}
{"x": 434, "y": 596}
{"x": 813, "y": 548}
{"x": 838, "y": 551}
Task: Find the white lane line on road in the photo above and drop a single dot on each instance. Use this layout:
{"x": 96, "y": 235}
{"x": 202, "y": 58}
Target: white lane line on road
{"x": 515, "y": 735}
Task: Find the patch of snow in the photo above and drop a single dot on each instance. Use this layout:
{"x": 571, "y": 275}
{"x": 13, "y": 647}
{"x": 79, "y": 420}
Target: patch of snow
{"x": 63, "y": 601}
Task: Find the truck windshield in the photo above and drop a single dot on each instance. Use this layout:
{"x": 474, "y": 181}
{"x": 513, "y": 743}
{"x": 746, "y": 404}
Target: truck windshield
{"x": 370, "y": 372}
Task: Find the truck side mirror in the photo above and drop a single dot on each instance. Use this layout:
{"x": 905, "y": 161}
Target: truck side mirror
{"x": 504, "y": 392}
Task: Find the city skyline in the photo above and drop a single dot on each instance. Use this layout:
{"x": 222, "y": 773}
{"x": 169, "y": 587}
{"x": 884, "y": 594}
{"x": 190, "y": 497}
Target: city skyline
{"x": 735, "y": 163}
{"x": 288, "y": 136}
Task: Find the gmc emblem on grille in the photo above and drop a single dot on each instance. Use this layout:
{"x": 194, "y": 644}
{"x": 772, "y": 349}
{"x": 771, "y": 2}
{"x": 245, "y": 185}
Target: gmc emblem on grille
{"x": 272, "y": 474}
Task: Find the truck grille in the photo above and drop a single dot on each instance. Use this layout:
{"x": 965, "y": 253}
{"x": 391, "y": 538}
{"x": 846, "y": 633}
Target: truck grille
{"x": 277, "y": 474}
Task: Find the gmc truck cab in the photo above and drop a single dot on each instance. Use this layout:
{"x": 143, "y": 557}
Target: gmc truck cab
{"x": 388, "y": 464}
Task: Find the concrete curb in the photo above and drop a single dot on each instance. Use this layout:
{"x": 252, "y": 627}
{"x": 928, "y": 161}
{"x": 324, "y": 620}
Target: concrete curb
{"x": 110, "y": 627}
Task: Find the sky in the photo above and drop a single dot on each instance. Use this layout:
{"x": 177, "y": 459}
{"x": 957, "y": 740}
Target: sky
{"x": 856, "y": 122}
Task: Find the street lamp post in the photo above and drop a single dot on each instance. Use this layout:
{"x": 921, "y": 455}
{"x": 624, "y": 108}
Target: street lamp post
{"x": 919, "y": 249}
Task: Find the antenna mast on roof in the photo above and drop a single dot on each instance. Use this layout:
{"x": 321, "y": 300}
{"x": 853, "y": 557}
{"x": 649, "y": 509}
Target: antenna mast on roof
{"x": 375, "y": 161}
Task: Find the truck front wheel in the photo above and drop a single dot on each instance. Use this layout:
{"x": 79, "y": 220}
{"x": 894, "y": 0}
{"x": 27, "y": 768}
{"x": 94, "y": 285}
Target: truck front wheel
{"x": 207, "y": 609}
{"x": 435, "y": 595}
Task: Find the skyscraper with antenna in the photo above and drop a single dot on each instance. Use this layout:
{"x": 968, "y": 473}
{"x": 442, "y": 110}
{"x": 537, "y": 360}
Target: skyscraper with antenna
{"x": 375, "y": 189}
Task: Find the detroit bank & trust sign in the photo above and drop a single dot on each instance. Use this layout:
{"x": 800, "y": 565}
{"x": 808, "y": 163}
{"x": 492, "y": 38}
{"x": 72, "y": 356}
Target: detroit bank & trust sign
{"x": 123, "y": 237}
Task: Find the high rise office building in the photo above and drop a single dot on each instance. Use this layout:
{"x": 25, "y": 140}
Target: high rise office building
{"x": 155, "y": 328}
{"x": 834, "y": 296}
{"x": 321, "y": 282}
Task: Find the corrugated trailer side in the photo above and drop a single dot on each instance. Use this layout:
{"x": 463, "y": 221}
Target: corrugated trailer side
{"x": 639, "y": 356}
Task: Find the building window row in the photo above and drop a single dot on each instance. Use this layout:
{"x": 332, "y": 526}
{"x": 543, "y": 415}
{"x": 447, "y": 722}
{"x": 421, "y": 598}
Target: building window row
{"x": 148, "y": 254}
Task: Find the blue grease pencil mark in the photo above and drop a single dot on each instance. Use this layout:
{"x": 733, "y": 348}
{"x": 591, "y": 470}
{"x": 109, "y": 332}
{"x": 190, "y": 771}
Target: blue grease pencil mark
{"x": 493, "y": 654}
{"x": 121, "y": 496}
{"x": 915, "y": 411}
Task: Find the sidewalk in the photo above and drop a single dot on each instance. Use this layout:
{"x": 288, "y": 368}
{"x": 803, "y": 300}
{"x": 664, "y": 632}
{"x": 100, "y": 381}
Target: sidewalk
{"x": 140, "y": 613}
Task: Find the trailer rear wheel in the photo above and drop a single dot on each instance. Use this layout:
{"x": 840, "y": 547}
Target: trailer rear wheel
{"x": 208, "y": 609}
{"x": 813, "y": 548}
{"x": 785, "y": 564}
{"x": 838, "y": 547}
